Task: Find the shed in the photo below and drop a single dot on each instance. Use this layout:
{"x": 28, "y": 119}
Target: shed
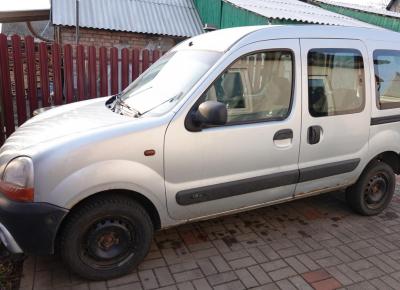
{"x": 127, "y": 22}
{"x": 231, "y": 13}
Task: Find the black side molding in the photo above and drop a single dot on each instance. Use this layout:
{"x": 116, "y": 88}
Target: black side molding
{"x": 325, "y": 170}
{"x": 233, "y": 188}
{"x": 222, "y": 190}
{"x": 385, "y": 120}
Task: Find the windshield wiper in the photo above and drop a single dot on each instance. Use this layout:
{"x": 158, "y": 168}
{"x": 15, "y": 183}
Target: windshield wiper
{"x": 177, "y": 96}
{"x": 119, "y": 106}
{"x": 123, "y": 108}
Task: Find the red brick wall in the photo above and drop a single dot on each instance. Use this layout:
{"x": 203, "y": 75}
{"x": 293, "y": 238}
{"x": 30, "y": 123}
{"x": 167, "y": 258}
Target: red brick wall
{"x": 119, "y": 39}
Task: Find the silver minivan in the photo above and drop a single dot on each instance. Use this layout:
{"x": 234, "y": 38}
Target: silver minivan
{"x": 224, "y": 122}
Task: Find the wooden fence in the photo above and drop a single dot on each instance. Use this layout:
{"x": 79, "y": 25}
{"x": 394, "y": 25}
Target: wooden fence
{"x": 34, "y": 75}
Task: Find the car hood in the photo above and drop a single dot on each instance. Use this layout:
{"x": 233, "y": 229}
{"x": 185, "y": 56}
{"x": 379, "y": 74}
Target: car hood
{"x": 62, "y": 121}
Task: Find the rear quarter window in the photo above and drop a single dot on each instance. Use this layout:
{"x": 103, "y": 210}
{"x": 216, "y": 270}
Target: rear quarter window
{"x": 335, "y": 82}
{"x": 387, "y": 78}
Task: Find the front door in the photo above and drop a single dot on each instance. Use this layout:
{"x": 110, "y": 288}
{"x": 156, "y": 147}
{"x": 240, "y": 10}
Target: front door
{"x": 251, "y": 160}
{"x": 336, "y": 113}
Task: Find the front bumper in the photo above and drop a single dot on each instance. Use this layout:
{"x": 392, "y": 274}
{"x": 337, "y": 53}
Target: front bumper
{"x": 29, "y": 227}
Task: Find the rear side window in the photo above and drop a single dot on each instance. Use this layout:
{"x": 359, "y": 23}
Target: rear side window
{"x": 335, "y": 82}
{"x": 387, "y": 78}
{"x": 256, "y": 87}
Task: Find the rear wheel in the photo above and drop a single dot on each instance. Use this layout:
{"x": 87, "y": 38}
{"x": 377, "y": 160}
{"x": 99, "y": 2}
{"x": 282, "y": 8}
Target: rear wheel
{"x": 106, "y": 237}
{"x": 374, "y": 190}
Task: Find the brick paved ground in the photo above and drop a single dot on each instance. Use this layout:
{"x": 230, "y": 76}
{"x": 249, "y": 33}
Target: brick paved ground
{"x": 315, "y": 243}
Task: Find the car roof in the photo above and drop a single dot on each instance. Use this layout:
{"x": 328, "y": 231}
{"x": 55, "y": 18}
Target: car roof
{"x": 223, "y": 39}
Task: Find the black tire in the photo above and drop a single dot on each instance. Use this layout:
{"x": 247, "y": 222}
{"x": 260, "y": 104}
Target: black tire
{"x": 106, "y": 237}
{"x": 374, "y": 189}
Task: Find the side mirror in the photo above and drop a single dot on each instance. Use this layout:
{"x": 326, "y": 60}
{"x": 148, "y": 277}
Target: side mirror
{"x": 209, "y": 113}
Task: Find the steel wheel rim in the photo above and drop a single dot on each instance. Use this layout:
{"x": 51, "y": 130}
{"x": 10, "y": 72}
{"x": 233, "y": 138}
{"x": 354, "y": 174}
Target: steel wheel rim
{"x": 108, "y": 243}
{"x": 376, "y": 190}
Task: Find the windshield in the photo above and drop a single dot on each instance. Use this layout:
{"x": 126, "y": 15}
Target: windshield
{"x": 160, "y": 87}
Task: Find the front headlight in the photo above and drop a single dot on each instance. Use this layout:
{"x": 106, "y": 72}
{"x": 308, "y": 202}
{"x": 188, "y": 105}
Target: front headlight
{"x": 17, "y": 180}
{"x": 19, "y": 172}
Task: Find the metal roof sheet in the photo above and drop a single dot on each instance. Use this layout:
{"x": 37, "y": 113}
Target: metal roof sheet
{"x": 296, "y": 10}
{"x": 165, "y": 17}
{"x": 363, "y": 8}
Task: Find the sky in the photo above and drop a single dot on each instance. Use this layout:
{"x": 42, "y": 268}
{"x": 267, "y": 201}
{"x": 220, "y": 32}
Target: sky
{"x": 7, "y": 5}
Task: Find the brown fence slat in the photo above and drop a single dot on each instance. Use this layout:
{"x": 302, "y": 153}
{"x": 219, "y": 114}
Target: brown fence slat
{"x": 57, "y": 82}
{"x": 145, "y": 60}
{"x": 2, "y": 117}
{"x": 135, "y": 64}
{"x": 156, "y": 55}
{"x": 80, "y": 67}
{"x": 6, "y": 86}
{"x": 31, "y": 71}
{"x": 92, "y": 73}
{"x": 44, "y": 74}
{"x": 2, "y": 132}
{"x": 19, "y": 79}
{"x": 68, "y": 74}
{"x": 56, "y": 65}
{"x": 103, "y": 72}
{"x": 114, "y": 70}
{"x": 124, "y": 68}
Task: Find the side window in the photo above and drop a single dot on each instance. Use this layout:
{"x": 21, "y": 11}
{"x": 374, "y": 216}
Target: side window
{"x": 257, "y": 87}
{"x": 387, "y": 78}
{"x": 335, "y": 82}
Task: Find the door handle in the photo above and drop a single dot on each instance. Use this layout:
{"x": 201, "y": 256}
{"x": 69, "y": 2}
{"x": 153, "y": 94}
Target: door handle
{"x": 314, "y": 134}
{"x": 283, "y": 134}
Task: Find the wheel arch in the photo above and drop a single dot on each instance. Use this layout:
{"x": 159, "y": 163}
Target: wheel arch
{"x": 367, "y": 197}
{"x": 146, "y": 203}
{"x": 389, "y": 157}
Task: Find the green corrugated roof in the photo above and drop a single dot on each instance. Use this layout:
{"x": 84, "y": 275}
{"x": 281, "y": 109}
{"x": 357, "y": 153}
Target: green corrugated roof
{"x": 223, "y": 14}
{"x": 232, "y": 13}
{"x": 384, "y": 21}
{"x": 233, "y": 16}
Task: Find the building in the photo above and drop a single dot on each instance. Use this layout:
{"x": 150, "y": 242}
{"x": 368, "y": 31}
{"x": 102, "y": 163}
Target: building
{"x": 394, "y": 5}
{"x": 32, "y": 20}
{"x": 155, "y": 24}
{"x": 375, "y": 16}
{"x": 231, "y": 13}
{"x": 41, "y": 30}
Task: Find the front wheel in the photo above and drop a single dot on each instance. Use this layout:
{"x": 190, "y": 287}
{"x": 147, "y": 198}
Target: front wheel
{"x": 106, "y": 237}
{"x": 374, "y": 190}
